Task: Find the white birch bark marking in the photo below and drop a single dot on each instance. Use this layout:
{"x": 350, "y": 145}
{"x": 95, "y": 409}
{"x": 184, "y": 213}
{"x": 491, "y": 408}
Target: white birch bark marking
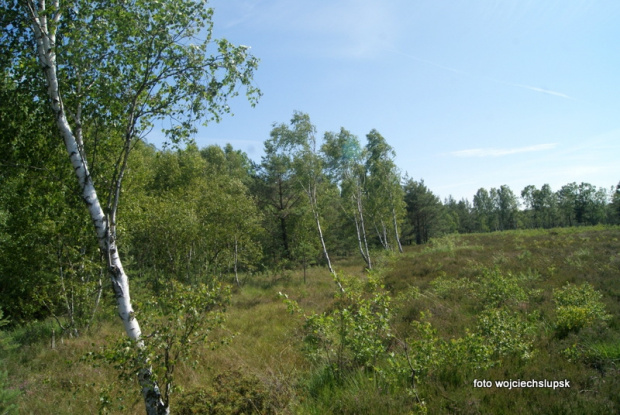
{"x": 46, "y": 39}
{"x": 396, "y": 233}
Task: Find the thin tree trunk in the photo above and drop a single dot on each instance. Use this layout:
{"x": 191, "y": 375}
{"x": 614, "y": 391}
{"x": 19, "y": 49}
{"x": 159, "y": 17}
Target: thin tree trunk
{"x": 385, "y": 237}
{"x": 312, "y": 198}
{"x": 46, "y": 39}
{"x": 363, "y": 230}
{"x": 97, "y": 300}
{"x": 359, "y": 241}
{"x": 318, "y": 225}
{"x": 396, "y": 233}
{"x": 281, "y": 208}
{"x": 381, "y": 237}
{"x": 235, "y": 264}
{"x": 305, "y": 265}
{"x": 69, "y": 305}
{"x": 382, "y": 234}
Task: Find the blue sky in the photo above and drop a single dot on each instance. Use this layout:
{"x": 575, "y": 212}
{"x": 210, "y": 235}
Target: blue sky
{"x": 470, "y": 94}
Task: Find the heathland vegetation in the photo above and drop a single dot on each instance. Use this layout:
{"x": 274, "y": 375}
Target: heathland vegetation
{"x": 318, "y": 280}
{"x": 412, "y": 336}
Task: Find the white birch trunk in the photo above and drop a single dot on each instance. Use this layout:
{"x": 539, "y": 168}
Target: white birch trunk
{"x": 359, "y": 241}
{"x": 385, "y": 237}
{"x": 46, "y": 38}
{"x": 329, "y": 264}
{"x": 318, "y": 225}
{"x": 235, "y": 263}
{"x": 362, "y": 230}
{"x": 382, "y": 235}
{"x": 396, "y": 233}
{"x": 312, "y": 199}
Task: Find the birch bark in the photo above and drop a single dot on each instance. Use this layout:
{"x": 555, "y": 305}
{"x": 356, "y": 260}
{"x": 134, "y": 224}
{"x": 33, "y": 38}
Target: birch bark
{"x": 396, "y": 233}
{"x": 360, "y": 212}
{"x": 44, "y": 26}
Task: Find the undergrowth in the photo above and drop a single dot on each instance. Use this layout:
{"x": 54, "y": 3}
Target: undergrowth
{"x": 417, "y": 335}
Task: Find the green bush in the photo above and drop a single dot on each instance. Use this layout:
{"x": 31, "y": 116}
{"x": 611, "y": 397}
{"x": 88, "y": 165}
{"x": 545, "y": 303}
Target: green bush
{"x": 355, "y": 332}
{"x": 33, "y": 332}
{"x": 495, "y": 289}
{"x": 233, "y": 392}
{"x": 174, "y": 324}
{"x": 7, "y": 342}
{"x": 7, "y": 396}
{"x": 451, "y": 287}
{"x": 578, "y": 307}
{"x": 506, "y": 333}
{"x": 425, "y": 355}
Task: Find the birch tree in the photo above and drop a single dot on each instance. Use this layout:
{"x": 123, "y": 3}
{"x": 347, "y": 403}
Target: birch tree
{"x": 120, "y": 67}
{"x": 344, "y": 162}
{"x": 541, "y": 205}
{"x": 506, "y": 206}
{"x": 385, "y": 193}
{"x": 484, "y": 212}
{"x": 298, "y": 144}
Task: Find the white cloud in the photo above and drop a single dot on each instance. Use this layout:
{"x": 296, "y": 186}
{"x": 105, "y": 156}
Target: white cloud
{"x": 498, "y": 152}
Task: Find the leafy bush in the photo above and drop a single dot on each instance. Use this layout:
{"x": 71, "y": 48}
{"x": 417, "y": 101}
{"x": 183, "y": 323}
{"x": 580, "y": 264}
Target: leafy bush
{"x": 496, "y": 288}
{"x": 233, "y": 392}
{"x": 446, "y": 244}
{"x": 7, "y": 396}
{"x": 425, "y": 355}
{"x": 33, "y": 332}
{"x": 6, "y": 341}
{"x": 175, "y": 322}
{"x": 448, "y": 287}
{"x": 423, "y": 351}
{"x": 506, "y": 333}
{"x": 578, "y": 307}
{"x": 355, "y": 332}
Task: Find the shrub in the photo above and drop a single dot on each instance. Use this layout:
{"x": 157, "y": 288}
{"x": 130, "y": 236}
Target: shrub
{"x": 506, "y": 333}
{"x": 6, "y": 341}
{"x": 450, "y": 287}
{"x": 496, "y": 289}
{"x": 233, "y": 392}
{"x": 355, "y": 332}
{"x": 578, "y": 307}
{"x": 174, "y": 323}
{"x": 7, "y": 396}
{"x": 425, "y": 355}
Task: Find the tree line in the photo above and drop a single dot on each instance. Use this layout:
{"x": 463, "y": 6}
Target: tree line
{"x": 500, "y": 209}
{"x": 196, "y": 214}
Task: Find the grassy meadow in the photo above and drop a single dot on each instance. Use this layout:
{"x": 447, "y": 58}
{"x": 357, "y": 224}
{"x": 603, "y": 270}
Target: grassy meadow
{"x": 458, "y": 313}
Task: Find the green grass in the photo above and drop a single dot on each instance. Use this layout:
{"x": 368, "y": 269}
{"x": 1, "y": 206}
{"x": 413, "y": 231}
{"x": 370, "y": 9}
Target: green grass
{"x": 455, "y": 281}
